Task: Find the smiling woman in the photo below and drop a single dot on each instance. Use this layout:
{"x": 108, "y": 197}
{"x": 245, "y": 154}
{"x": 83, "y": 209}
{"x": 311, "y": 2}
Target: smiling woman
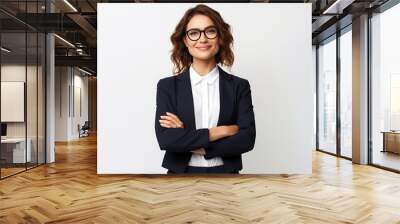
{"x": 204, "y": 117}
{"x": 189, "y": 43}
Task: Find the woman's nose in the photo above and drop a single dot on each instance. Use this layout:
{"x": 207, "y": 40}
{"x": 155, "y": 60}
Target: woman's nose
{"x": 203, "y": 37}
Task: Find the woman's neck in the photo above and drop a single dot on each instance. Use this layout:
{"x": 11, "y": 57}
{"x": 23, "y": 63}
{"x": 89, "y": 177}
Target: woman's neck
{"x": 203, "y": 67}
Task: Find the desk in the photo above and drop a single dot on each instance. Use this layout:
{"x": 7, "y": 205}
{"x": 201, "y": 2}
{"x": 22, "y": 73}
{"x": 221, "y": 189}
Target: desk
{"x": 15, "y": 148}
{"x": 391, "y": 141}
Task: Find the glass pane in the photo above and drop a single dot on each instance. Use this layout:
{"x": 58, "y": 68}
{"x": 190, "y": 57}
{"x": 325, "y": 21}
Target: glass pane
{"x": 386, "y": 89}
{"x": 22, "y": 88}
{"x": 327, "y": 96}
{"x": 32, "y": 95}
{"x": 13, "y": 89}
{"x": 41, "y": 98}
{"x": 346, "y": 93}
{"x": 31, "y": 84}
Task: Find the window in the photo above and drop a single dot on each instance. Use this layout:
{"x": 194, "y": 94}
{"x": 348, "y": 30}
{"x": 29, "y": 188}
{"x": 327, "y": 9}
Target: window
{"x": 327, "y": 96}
{"x": 346, "y": 93}
{"x": 385, "y": 88}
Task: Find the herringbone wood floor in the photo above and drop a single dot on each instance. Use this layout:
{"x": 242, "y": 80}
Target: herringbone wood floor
{"x": 70, "y": 191}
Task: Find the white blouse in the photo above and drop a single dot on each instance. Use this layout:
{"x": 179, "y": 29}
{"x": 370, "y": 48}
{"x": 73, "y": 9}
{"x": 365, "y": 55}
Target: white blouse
{"x": 205, "y": 90}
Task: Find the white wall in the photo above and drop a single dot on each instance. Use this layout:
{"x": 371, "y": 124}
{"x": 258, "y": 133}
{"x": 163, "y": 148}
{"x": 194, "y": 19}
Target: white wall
{"x": 80, "y": 84}
{"x": 68, "y": 81}
{"x": 272, "y": 51}
{"x": 314, "y": 73}
{"x": 61, "y": 103}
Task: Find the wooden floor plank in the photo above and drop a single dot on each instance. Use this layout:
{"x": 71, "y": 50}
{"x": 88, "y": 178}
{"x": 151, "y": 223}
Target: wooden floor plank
{"x": 70, "y": 191}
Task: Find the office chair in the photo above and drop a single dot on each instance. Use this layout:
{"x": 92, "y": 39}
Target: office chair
{"x": 84, "y": 130}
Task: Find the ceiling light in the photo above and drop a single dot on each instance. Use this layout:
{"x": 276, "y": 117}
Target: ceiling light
{"x": 337, "y": 7}
{"x": 84, "y": 71}
{"x": 64, "y": 40}
{"x": 5, "y": 50}
{"x": 70, "y": 5}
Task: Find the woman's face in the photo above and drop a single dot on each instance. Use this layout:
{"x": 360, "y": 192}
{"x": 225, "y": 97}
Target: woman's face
{"x": 204, "y": 48}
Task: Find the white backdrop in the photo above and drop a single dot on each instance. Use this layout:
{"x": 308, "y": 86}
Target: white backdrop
{"x": 272, "y": 45}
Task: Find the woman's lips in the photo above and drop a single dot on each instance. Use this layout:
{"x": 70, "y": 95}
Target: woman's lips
{"x": 204, "y": 48}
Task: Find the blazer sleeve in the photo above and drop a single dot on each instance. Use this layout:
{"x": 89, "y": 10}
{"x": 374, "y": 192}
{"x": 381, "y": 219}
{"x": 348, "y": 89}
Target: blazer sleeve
{"x": 179, "y": 140}
{"x": 244, "y": 140}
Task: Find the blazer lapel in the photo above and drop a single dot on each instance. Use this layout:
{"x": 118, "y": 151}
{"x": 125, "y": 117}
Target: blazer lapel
{"x": 227, "y": 97}
{"x": 185, "y": 105}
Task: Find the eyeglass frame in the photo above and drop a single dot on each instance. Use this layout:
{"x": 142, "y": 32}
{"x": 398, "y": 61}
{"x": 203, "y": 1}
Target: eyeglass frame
{"x": 202, "y": 31}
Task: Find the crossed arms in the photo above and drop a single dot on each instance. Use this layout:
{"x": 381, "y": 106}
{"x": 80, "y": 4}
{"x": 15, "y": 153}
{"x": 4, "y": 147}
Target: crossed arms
{"x": 227, "y": 140}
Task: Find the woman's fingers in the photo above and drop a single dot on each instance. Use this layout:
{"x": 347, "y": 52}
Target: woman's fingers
{"x": 164, "y": 124}
{"x": 170, "y": 124}
{"x": 167, "y": 124}
{"x": 173, "y": 115}
{"x": 200, "y": 151}
{"x": 195, "y": 151}
{"x": 173, "y": 118}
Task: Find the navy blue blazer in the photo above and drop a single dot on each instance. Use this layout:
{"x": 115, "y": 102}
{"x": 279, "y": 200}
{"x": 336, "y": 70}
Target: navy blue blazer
{"x": 174, "y": 94}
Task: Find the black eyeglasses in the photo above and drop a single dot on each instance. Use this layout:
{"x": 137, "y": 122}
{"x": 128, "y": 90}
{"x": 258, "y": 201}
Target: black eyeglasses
{"x": 195, "y": 34}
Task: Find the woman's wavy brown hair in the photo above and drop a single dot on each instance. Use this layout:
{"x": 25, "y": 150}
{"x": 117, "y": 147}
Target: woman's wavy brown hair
{"x": 180, "y": 55}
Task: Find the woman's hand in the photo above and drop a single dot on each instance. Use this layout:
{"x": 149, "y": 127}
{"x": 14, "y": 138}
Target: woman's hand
{"x": 231, "y": 129}
{"x": 171, "y": 121}
{"x": 200, "y": 151}
{"x": 219, "y": 132}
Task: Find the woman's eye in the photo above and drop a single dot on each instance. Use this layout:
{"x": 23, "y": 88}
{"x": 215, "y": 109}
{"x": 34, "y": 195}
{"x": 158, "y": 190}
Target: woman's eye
{"x": 194, "y": 33}
{"x": 211, "y": 31}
